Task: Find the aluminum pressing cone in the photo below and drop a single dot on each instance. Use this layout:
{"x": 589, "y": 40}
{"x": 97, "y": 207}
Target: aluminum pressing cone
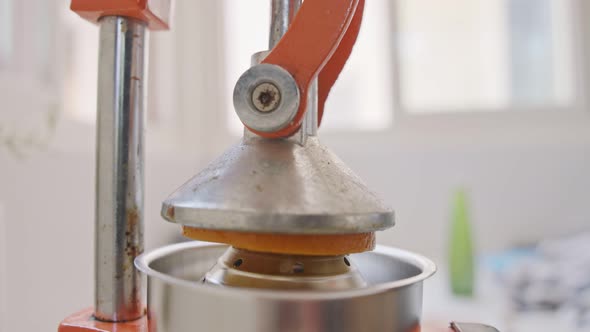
{"x": 278, "y": 186}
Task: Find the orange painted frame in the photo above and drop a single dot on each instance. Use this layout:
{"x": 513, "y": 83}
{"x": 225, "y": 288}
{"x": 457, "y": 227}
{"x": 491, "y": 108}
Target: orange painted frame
{"x": 84, "y": 321}
{"x": 156, "y": 19}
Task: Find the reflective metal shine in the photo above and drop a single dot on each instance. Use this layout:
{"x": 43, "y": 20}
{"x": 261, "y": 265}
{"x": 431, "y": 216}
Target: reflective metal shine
{"x": 282, "y": 14}
{"x": 242, "y": 268}
{"x": 472, "y": 327}
{"x": 278, "y": 186}
{"x": 287, "y": 99}
{"x": 119, "y": 163}
{"x": 178, "y": 301}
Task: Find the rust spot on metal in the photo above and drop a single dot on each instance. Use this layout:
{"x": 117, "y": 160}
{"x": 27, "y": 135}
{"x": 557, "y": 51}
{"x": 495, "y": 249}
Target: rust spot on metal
{"x": 170, "y": 212}
{"x": 134, "y": 295}
{"x": 132, "y": 218}
{"x": 135, "y": 78}
{"x": 267, "y": 97}
{"x": 132, "y": 250}
{"x": 132, "y": 246}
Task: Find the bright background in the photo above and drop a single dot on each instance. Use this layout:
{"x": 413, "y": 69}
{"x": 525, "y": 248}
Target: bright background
{"x": 485, "y": 95}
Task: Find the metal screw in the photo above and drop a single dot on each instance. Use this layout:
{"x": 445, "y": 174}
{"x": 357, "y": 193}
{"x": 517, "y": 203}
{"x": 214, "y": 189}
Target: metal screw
{"x": 266, "y": 97}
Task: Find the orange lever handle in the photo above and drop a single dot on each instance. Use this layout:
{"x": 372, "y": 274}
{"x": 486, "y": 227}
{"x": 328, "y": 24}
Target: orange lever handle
{"x": 320, "y": 38}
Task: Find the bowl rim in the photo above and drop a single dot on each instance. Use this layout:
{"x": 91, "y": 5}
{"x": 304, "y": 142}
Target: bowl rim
{"x": 426, "y": 266}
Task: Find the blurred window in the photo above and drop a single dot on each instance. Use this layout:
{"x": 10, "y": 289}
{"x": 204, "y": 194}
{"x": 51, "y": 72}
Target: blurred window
{"x": 426, "y": 56}
{"x": 477, "y": 55}
{"x": 80, "y": 68}
{"x": 412, "y": 57}
{"x": 61, "y": 52}
{"x": 30, "y": 78}
{"x": 6, "y": 36}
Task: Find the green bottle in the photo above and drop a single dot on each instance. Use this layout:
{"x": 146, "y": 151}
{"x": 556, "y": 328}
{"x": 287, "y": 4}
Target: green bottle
{"x": 461, "y": 265}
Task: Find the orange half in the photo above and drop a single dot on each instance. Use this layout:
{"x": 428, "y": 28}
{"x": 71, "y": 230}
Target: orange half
{"x": 294, "y": 244}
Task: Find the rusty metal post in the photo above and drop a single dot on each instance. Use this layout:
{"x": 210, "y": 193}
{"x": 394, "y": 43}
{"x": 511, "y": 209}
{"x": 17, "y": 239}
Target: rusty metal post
{"x": 119, "y": 166}
{"x": 282, "y": 14}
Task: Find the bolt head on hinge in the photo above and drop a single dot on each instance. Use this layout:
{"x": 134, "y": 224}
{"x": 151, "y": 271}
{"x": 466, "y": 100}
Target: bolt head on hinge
{"x": 266, "y": 98}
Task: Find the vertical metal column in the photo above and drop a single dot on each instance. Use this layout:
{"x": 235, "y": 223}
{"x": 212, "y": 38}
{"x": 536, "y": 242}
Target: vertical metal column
{"x": 119, "y": 168}
{"x": 282, "y": 14}
{"x": 310, "y": 122}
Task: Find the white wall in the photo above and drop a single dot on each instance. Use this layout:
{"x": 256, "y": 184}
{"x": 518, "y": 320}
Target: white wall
{"x": 519, "y": 194}
{"x": 3, "y": 268}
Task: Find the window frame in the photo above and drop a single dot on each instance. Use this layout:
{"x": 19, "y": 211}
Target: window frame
{"x": 508, "y": 128}
{"x": 522, "y": 118}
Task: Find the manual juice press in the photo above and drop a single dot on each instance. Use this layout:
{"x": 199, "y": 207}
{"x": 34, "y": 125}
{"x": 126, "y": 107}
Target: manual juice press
{"x": 289, "y": 229}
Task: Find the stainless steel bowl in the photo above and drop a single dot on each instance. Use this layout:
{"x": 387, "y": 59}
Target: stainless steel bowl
{"x": 178, "y": 301}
